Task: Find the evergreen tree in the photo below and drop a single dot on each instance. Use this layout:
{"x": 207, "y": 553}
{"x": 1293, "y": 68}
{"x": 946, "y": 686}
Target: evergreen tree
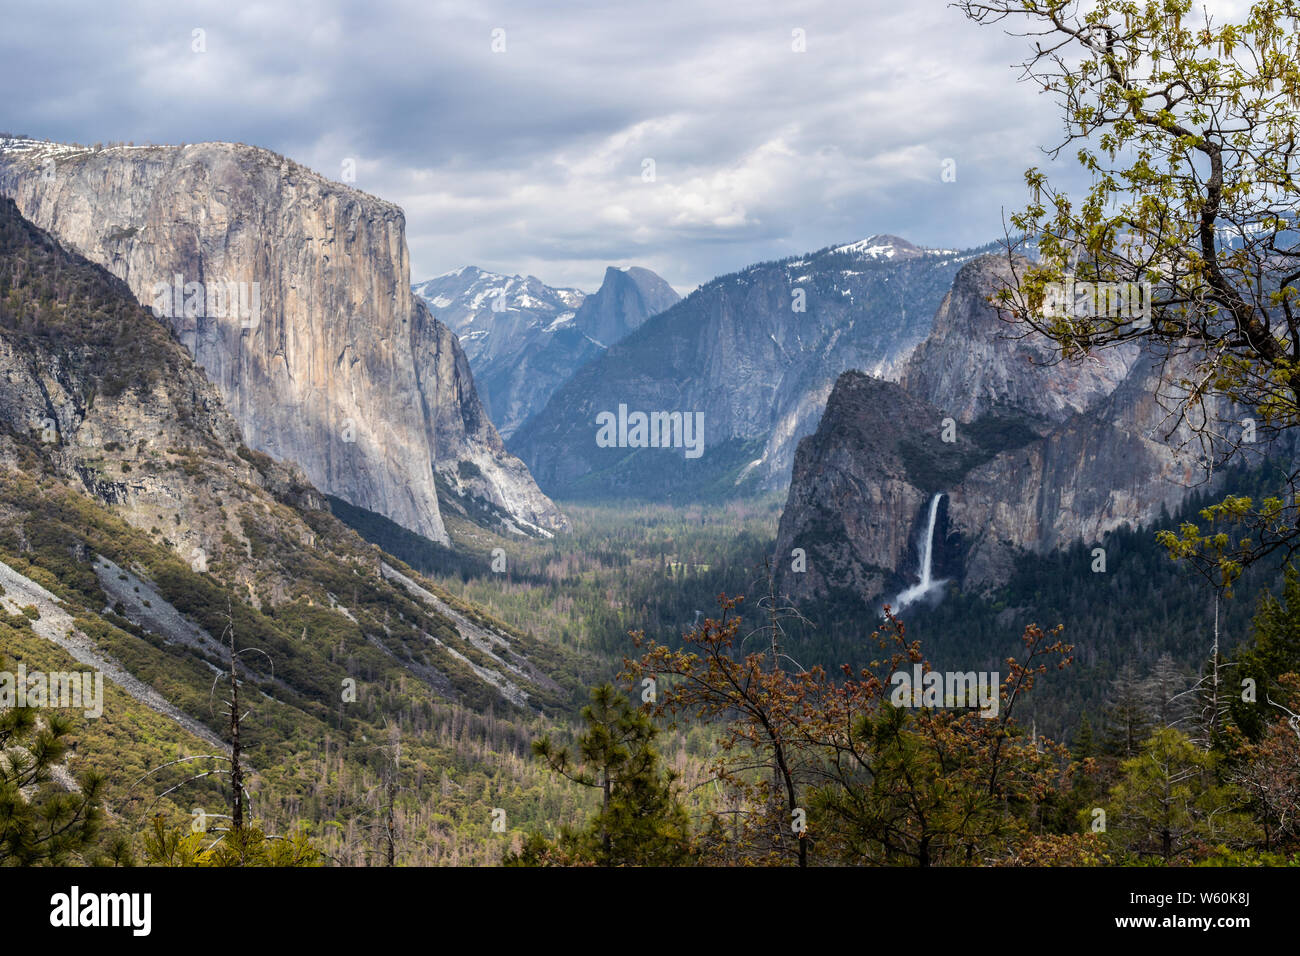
{"x": 1085, "y": 744}
{"x": 1168, "y": 804}
{"x": 1273, "y": 651}
{"x": 246, "y": 846}
{"x": 1128, "y": 721}
{"x": 641, "y": 820}
{"x": 40, "y": 820}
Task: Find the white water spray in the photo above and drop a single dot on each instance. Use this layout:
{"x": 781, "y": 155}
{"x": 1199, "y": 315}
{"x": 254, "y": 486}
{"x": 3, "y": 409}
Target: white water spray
{"x": 920, "y": 589}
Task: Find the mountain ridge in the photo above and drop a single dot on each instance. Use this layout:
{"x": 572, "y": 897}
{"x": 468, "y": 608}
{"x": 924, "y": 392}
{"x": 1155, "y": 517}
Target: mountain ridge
{"x": 757, "y": 352}
{"x": 136, "y": 527}
{"x": 1067, "y": 452}
{"x": 524, "y": 339}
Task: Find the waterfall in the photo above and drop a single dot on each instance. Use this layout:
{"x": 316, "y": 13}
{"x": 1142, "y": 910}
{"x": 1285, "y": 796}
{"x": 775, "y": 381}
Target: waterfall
{"x": 927, "y": 556}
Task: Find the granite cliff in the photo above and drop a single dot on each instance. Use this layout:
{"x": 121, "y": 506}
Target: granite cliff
{"x": 126, "y": 487}
{"x": 1031, "y": 455}
{"x": 293, "y": 294}
{"x": 974, "y": 362}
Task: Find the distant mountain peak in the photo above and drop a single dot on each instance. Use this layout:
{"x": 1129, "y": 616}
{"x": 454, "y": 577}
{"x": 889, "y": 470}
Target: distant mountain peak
{"x": 881, "y": 246}
{"x": 626, "y": 298}
{"x": 524, "y": 338}
{"x": 779, "y": 361}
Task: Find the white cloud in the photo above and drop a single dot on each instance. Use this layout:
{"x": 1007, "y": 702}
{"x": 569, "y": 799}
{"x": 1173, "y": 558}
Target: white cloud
{"x": 531, "y": 160}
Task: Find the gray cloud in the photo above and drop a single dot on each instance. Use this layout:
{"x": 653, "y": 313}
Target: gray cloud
{"x": 531, "y": 160}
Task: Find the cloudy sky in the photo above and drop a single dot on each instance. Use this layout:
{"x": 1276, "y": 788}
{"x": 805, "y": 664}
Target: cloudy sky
{"x": 533, "y": 157}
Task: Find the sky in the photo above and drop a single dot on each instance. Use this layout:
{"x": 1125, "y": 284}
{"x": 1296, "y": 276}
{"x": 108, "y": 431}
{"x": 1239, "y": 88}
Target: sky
{"x": 558, "y": 138}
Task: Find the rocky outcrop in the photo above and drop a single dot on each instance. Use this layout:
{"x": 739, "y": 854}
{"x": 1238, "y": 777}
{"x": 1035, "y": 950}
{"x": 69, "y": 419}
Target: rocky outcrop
{"x": 1039, "y": 455}
{"x": 118, "y": 409}
{"x": 975, "y": 362}
{"x": 625, "y": 299}
{"x": 1116, "y": 464}
{"x": 525, "y": 339}
{"x": 854, "y": 500}
{"x": 118, "y": 456}
{"x": 474, "y": 461}
{"x": 293, "y": 294}
{"x": 756, "y": 353}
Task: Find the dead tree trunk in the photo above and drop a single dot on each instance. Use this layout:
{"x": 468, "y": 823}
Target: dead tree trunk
{"x": 236, "y": 771}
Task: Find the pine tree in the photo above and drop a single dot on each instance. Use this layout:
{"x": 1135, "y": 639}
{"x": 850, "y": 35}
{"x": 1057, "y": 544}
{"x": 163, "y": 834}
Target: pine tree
{"x": 1272, "y": 652}
{"x": 1085, "y": 744}
{"x": 641, "y": 821}
{"x": 1168, "y": 804}
{"x": 41, "y": 821}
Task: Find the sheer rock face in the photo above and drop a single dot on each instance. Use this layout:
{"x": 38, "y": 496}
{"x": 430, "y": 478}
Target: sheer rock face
{"x": 120, "y": 411}
{"x": 857, "y": 496}
{"x": 1045, "y": 456}
{"x": 525, "y": 339}
{"x": 975, "y": 362}
{"x": 756, "y": 353}
{"x": 473, "y": 459}
{"x": 100, "y": 405}
{"x": 322, "y": 364}
{"x": 852, "y": 503}
{"x": 1118, "y": 464}
{"x": 625, "y": 299}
